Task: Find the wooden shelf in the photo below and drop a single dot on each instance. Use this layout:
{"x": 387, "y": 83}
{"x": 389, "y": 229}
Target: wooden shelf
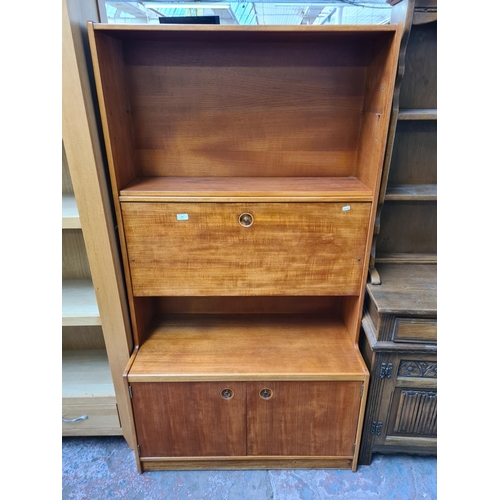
{"x": 70, "y": 216}
{"x": 86, "y": 374}
{"x": 417, "y": 114}
{"x": 202, "y": 347}
{"x": 410, "y": 287}
{"x": 411, "y": 192}
{"x": 406, "y": 258}
{"x": 79, "y": 304}
{"x": 156, "y": 189}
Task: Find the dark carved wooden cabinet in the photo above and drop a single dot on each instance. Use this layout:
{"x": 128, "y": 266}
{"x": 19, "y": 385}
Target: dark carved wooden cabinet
{"x": 399, "y": 344}
{"x": 399, "y": 327}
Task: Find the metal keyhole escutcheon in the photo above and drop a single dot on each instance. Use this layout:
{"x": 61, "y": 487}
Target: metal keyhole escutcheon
{"x": 266, "y": 393}
{"x": 227, "y": 393}
{"x": 245, "y": 219}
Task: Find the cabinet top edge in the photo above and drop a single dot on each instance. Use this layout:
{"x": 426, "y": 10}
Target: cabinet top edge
{"x": 355, "y": 28}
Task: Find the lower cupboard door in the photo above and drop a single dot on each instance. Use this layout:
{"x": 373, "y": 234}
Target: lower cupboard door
{"x": 190, "y": 419}
{"x": 302, "y": 418}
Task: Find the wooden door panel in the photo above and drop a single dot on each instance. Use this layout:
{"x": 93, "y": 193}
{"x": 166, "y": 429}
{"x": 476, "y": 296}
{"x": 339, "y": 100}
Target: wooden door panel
{"x": 289, "y": 249}
{"x": 302, "y": 418}
{"x": 189, "y": 419}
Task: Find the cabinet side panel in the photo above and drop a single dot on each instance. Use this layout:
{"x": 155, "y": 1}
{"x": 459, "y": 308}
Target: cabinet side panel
{"x": 81, "y": 137}
{"x": 376, "y": 110}
{"x": 115, "y": 108}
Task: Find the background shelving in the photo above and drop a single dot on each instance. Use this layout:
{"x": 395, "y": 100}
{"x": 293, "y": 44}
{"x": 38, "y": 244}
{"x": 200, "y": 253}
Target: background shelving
{"x": 88, "y": 393}
{"x": 406, "y": 226}
{"x": 96, "y": 337}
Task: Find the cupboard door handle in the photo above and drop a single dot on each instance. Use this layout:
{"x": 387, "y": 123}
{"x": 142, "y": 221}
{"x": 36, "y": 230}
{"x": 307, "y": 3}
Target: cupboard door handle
{"x": 266, "y": 393}
{"x": 68, "y": 421}
{"x": 245, "y": 219}
{"x": 227, "y": 393}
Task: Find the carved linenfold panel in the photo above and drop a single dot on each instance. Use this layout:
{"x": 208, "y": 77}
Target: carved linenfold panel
{"x": 424, "y": 369}
{"x": 417, "y": 413}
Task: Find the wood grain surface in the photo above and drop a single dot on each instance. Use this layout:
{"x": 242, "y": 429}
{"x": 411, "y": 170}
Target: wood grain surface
{"x": 198, "y": 347}
{"x": 194, "y": 420}
{"x": 246, "y": 463}
{"x": 205, "y": 189}
{"x": 414, "y": 157}
{"x": 189, "y": 419}
{"x": 311, "y": 249}
{"x": 406, "y": 288}
{"x": 235, "y": 101}
{"x": 303, "y": 418}
{"x": 408, "y": 227}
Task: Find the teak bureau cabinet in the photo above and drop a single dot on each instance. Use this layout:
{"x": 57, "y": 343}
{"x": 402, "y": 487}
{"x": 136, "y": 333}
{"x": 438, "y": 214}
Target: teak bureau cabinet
{"x": 245, "y": 163}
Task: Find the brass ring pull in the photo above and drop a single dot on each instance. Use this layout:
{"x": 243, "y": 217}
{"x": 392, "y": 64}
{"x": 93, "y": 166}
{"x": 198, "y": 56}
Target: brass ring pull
{"x": 227, "y": 393}
{"x": 245, "y": 219}
{"x": 266, "y": 393}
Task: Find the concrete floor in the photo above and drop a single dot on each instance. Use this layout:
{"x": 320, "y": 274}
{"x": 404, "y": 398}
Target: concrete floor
{"x": 104, "y": 467}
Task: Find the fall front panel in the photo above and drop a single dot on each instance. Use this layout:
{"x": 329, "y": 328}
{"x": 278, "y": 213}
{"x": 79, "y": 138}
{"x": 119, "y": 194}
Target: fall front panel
{"x": 246, "y": 249}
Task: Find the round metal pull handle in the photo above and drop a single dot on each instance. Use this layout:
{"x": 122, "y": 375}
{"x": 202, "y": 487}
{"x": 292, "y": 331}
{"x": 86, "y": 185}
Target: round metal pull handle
{"x": 245, "y": 219}
{"x": 227, "y": 393}
{"x": 69, "y": 421}
{"x": 266, "y": 393}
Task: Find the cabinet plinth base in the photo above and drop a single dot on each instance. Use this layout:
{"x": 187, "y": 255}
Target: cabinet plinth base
{"x": 232, "y": 463}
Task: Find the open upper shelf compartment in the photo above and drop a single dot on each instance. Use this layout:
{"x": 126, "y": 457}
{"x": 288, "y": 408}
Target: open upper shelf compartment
{"x": 244, "y": 112}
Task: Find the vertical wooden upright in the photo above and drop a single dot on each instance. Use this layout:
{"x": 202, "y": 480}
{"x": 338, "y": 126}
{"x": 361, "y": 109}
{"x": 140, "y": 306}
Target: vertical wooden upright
{"x": 86, "y": 372}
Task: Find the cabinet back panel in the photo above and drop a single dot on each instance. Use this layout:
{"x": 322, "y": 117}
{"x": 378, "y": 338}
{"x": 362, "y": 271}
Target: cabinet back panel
{"x": 246, "y": 109}
{"x": 419, "y": 85}
{"x": 82, "y": 338}
{"x": 248, "y": 305}
{"x": 75, "y": 263}
{"x": 414, "y": 157}
{"x": 408, "y": 226}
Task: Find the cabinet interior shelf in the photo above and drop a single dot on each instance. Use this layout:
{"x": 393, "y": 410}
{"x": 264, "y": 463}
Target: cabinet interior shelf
{"x": 417, "y": 114}
{"x": 79, "y": 304}
{"x": 246, "y": 189}
{"x": 86, "y": 374}
{"x": 411, "y": 192}
{"x": 406, "y": 257}
{"x": 70, "y": 216}
{"x": 203, "y": 347}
